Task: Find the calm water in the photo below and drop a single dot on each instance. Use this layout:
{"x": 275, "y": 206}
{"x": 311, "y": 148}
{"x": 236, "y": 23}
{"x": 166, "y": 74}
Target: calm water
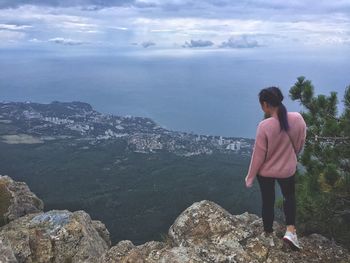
{"x": 206, "y": 94}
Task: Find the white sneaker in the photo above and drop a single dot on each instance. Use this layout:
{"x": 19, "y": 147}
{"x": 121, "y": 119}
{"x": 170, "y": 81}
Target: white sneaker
{"x": 292, "y": 240}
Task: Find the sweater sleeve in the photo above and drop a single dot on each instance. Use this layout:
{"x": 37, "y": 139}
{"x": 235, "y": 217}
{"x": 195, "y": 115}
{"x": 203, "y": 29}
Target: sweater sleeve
{"x": 258, "y": 155}
{"x": 301, "y": 136}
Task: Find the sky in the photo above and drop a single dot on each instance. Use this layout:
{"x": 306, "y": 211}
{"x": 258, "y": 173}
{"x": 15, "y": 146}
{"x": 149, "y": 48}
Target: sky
{"x": 175, "y": 24}
{"x": 189, "y": 65}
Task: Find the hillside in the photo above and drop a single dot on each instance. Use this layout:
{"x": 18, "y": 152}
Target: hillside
{"x": 124, "y": 181}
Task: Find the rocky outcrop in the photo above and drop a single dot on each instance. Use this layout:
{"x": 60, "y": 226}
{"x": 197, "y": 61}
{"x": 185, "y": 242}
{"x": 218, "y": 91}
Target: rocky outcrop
{"x": 16, "y": 200}
{"x": 204, "y": 232}
{"x": 55, "y": 236}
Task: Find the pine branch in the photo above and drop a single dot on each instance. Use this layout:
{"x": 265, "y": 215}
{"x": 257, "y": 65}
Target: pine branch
{"x": 332, "y": 138}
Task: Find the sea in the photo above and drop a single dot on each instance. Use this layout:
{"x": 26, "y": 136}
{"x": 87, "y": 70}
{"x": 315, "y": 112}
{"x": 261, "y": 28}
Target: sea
{"x": 203, "y": 92}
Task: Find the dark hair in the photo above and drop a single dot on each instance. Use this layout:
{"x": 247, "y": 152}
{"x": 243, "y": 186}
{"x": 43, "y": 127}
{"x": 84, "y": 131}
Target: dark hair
{"x": 273, "y": 96}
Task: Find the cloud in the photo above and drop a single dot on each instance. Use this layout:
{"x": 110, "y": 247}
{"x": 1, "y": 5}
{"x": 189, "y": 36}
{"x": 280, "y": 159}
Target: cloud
{"x": 13, "y": 27}
{"x": 35, "y": 40}
{"x": 65, "y": 3}
{"x": 65, "y": 41}
{"x": 7, "y": 36}
{"x": 119, "y": 28}
{"x": 147, "y": 44}
{"x": 144, "y": 3}
{"x": 116, "y": 24}
{"x": 198, "y": 6}
{"x": 198, "y": 43}
{"x": 243, "y": 41}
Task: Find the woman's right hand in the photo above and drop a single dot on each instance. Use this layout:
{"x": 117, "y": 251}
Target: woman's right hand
{"x": 248, "y": 182}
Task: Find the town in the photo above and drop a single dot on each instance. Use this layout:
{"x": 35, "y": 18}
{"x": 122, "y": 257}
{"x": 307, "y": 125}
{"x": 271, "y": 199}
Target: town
{"x": 78, "y": 120}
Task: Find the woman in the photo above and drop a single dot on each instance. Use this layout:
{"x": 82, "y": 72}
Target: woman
{"x": 279, "y": 139}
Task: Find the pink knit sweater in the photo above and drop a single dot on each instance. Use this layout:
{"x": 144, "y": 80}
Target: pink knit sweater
{"x": 273, "y": 153}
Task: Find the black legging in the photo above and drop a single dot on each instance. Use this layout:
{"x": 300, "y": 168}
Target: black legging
{"x": 267, "y": 187}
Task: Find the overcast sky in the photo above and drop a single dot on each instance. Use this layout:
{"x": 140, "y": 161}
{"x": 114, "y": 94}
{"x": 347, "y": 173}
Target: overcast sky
{"x": 149, "y": 25}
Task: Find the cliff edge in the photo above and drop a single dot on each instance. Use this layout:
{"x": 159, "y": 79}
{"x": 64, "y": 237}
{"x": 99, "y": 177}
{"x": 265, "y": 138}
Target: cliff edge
{"x": 204, "y": 232}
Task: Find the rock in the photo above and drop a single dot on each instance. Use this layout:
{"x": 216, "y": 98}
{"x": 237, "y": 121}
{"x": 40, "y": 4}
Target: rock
{"x": 16, "y": 200}
{"x": 203, "y": 233}
{"x": 206, "y": 232}
{"x": 118, "y": 252}
{"x": 126, "y": 251}
{"x": 179, "y": 254}
{"x": 102, "y": 230}
{"x": 56, "y": 236}
{"x": 212, "y": 230}
{"x": 6, "y": 253}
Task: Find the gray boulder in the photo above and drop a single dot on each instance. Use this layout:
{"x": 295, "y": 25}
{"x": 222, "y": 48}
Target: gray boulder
{"x": 16, "y": 200}
{"x": 55, "y": 236}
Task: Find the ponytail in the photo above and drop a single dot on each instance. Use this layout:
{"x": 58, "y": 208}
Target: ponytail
{"x": 273, "y": 96}
{"x": 282, "y": 117}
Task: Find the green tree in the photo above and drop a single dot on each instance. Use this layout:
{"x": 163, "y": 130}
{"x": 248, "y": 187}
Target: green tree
{"x": 323, "y": 189}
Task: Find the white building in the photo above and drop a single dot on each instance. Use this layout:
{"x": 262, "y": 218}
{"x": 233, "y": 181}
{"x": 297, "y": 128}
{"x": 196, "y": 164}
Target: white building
{"x": 230, "y": 146}
{"x": 238, "y": 145}
{"x": 220, "y": 141}
{"x": 234, "y": 146}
